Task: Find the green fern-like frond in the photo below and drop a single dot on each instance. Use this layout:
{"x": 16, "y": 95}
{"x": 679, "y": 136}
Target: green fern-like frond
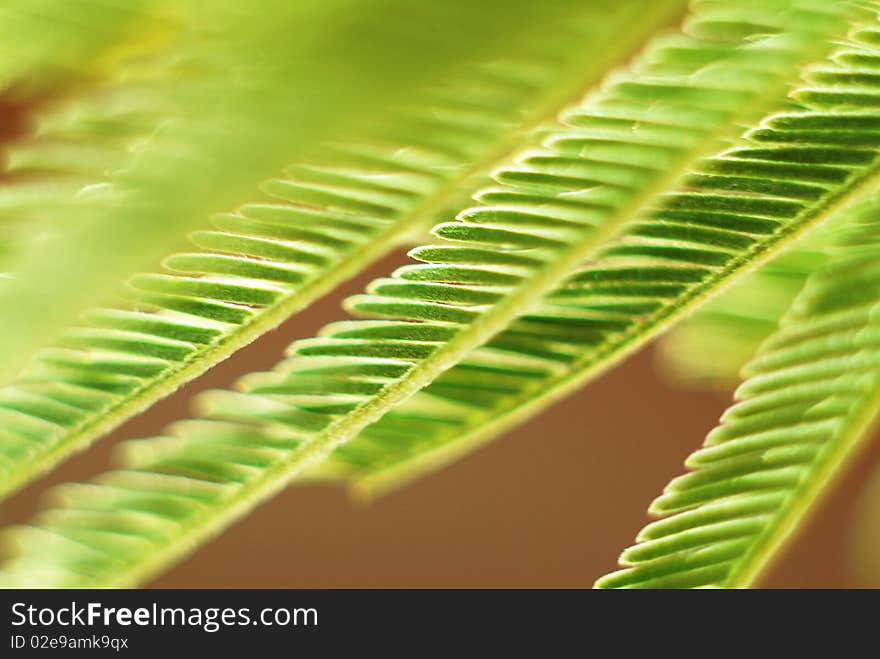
{"x": 740, "y": 209}
{"x": 309, "y": 230}
{"x": 812, "y": 392}
{"x": 487, "y": 285}
{"x": 246, "y": 101}
{"x": 709, "y": 348}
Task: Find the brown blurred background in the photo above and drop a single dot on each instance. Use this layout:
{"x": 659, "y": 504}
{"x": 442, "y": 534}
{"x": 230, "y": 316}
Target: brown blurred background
{"x": 550, "y": 504}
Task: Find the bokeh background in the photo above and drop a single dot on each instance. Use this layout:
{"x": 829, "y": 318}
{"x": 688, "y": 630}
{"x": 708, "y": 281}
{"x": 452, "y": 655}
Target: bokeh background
{"x": 548, "y": 505}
